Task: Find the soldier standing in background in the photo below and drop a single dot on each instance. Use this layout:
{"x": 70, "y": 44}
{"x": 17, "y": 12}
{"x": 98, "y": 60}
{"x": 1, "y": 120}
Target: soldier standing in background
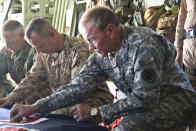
{"x": 16, "y": 59}
{"x": 140, "y": 62}
{"x": 58, "y": 61}
{"x": 185, "y": 41}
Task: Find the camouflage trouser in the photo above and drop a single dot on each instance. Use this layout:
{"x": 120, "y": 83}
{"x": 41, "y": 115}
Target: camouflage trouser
{"x": 175, "y": 110}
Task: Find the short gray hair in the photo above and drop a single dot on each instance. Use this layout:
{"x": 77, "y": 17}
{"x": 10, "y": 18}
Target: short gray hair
{"x": 11, "y": 25}
{"x": 100, "y": 17}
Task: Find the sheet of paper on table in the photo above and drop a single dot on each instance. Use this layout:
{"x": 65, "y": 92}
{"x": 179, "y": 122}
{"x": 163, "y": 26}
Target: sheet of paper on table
{"x": 4, "y": 114}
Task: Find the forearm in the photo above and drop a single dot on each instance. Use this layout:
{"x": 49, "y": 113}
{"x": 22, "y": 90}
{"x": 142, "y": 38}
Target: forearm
{"x": 26, "y": 87}
{"x": 179, "y": 51}
{"x": 179, "y": 56}
{"x": 180, "y": 31}
{"x": 34, "y": 80}
{"x": 100, "y": 96}
{"x": 63, "y": 98}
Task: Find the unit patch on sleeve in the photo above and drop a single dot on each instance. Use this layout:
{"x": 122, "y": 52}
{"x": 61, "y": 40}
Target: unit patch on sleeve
{"x": 148, "y": 75}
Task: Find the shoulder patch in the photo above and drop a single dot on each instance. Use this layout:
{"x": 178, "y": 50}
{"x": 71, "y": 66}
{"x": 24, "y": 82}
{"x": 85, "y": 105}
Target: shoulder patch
{"x": 148, "y": 75}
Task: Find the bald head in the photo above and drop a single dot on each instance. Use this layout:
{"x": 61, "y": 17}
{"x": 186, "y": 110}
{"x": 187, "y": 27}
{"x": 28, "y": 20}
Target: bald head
{"x": 12, "y": 25}
{"x": 13, "y": 35}
{"x": 42, "y": 36}
{"x": 38, "y": 25}
{"x": 99, "y": 17}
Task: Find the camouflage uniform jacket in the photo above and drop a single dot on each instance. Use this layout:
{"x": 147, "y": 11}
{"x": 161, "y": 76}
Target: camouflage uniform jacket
{"x": 16, "y": 64}
{"x": 144, "y": 64}
{"x": 57, "y": 69}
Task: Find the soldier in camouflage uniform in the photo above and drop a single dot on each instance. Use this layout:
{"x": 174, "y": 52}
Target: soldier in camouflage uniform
{"x": 59, "y": 60}
{"x": 16, "y": 59}
{"x": 142, "y": 65}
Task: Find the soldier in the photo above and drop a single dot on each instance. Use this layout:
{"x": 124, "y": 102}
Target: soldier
{"x": 142, "y": 65}
{"x": 16, "y": 59}
{"x": 185, "y": 39}
{"x": 58, "y": 61}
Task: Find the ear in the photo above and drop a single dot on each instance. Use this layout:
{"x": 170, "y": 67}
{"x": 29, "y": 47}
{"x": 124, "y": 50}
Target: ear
{"x": 21, "y": 34}
{"x": 51, "y": 33}
{"x": 110, "y": 30}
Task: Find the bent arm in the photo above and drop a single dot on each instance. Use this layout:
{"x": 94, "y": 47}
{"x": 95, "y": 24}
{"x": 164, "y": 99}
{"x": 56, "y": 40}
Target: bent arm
{"x": 83, "y": 85}
{"x": 147, "y": 84}
{"x": 180, "y": 31}
{"x": 34, "y": 80}
{"x": 3, "y": 64}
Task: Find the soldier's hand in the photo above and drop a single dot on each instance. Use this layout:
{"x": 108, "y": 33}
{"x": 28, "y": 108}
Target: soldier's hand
{"x": 19, "y": 111}
{"x": 5, "y": 102}
{"x": 81, "y": 112}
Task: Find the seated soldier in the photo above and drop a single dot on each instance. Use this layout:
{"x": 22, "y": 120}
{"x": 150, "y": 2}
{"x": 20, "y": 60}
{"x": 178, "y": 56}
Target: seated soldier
{"x": 16, "y": 59}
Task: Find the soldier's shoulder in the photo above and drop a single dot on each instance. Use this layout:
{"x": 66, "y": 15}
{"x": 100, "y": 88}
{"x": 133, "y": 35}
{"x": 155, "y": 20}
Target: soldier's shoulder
{"x": 137, "y": 34}
{"x": 79, "y": 46}
{"x": 91, "y": 59}
{"x": 145, "y": 32}
{"x": 76, "y": 42}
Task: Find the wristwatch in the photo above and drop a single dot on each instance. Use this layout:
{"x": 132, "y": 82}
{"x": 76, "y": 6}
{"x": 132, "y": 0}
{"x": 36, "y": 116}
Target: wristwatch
{"x": 94, "y": 111}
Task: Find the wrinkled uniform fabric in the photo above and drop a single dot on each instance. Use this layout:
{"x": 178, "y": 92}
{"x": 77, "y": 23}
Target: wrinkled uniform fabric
{"x": 159, "y": 95}
{"x": 58, "y": 69}
{"x": 16, "y": 65}
{"x": 186, "y": 22}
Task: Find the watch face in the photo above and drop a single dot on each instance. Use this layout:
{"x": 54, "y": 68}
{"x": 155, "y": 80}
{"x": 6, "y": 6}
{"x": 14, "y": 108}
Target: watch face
{"x": 94, "y": 111}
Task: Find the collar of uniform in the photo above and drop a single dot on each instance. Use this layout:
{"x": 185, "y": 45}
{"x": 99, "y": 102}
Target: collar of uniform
{"x": 123, "y": 50}
{"x": 112, "y": 54}
{"x": 56, "y": 56}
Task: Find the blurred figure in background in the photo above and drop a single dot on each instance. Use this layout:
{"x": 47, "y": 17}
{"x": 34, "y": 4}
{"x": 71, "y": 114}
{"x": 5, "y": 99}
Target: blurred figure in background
{"x": 185, "y": 39}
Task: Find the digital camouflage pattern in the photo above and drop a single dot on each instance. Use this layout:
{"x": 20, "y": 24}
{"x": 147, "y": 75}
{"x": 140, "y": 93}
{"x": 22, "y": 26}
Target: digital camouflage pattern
{"x": 159, "y": 95}
{"x": 58, "y": 69}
